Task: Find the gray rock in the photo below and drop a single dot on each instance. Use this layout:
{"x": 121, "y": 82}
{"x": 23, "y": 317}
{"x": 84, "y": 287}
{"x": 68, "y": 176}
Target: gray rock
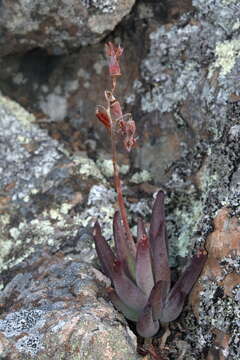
{"x": 59, "y": 26}
{"x": 40, "y": 201}
{"x": 54, "y": 308}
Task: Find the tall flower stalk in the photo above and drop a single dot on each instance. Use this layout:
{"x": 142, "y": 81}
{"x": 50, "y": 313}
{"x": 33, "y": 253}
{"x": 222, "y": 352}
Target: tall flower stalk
{"x": 114, "y": 120}
{"x": 139, "y": 271}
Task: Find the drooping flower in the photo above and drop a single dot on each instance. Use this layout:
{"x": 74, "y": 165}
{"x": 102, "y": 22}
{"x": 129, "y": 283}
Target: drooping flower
{"x": 113, "y": 54}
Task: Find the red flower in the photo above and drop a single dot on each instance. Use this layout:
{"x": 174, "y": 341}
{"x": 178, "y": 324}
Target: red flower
{"x": 113, "y": 53}
{"x": 102, "y": 115}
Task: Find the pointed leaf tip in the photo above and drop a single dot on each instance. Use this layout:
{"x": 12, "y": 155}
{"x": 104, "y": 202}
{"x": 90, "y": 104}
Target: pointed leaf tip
{"x": 158, "y": 215}
{"x": 121, "y": 245}
{"x": 177, "y": 296}
{"x": 158, "y": 240}
{"x": 105, "y": 253}
{"x": 144, "y": 274}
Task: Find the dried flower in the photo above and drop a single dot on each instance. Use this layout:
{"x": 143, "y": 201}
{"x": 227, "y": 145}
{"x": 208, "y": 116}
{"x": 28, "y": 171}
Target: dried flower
{"x": 113, "y": 53}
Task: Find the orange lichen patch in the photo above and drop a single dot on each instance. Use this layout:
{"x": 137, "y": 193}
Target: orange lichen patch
{"x": 234, "y": 97}
{"x": 226, "y": 237}
{"x": 229, "y": 282}
{"x": 9, "y": 186}
{"x": 4, "y": 203}
{"x": 220, "y": 350}
{"x": 223, "y": 242}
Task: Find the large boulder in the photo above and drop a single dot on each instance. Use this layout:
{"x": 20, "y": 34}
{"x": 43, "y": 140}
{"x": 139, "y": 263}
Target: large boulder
{"x": 57, "y": 26}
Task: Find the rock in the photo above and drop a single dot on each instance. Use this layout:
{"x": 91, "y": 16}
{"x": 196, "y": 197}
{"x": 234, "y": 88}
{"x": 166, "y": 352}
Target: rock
{"x": 43, "y": 191}
{"x": 58, "y": 27}
{"x": 181, "y": 81}
{"x": 215, "y": 297}
{"x": 53, "y": 308}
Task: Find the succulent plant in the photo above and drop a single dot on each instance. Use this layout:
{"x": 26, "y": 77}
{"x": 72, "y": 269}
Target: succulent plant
{"x": 139, "y": 271}
{"x": 141, "y": 276}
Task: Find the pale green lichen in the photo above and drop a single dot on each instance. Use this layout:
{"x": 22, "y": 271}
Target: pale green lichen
{"x": 87, "y": 168}
{"x": 141, "y": 177}
{"x": 228, "y": 2}
{"x": 54, "y": 225}
{"x": 226, "y": 53}
{"x": 14, "y": 232}
{"x": 65, "y": 208}
{"x": 54, "y": 214}
{"x": 236, "y": 26}
{"x": 6, "y": 246}
{"x": 24, "y": 116}
{"x": 106, "y": 167}
{"x": 189, "y": 224}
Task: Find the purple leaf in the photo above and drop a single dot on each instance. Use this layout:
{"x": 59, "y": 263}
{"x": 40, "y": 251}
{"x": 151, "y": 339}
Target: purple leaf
{"x": 192, "y": 271}
{"x": 123, "y": 252}
{"x": 146, "y": 326}
{"x": 157, "y": 298}
{"x": 105, "y": 253}
{"x": 173, "y": 307}
{"x": 158, "y": 215}
{"x": 126, "y": 289}
{"x": 144, "y": 275}
{"x": 176, "y": 298}
{"x": 157, "y": 234}
{"x": 140, "y": 230}
{"x": 129, "y": 313}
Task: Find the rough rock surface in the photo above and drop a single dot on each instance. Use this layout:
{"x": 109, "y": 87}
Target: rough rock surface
{"x": 57, "y": 26}
{"x": 215, "y": 299}
{"x": 52, "y": 303}
{"x": 48, "y": 198}
{"x": 182, "y": 84}
{"x": 53, "y": 308}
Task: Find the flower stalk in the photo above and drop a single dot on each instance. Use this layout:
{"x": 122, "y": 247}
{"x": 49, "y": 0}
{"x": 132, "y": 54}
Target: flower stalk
{"x": 139, "y": 272}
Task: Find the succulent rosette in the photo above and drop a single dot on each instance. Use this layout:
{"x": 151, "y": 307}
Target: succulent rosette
{"x": 140, "y": 272}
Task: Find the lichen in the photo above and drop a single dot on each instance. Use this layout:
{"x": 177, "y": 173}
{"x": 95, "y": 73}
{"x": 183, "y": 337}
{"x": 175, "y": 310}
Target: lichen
{"x": 141, "y": 177}
{"x": 105, "y": 6}
{"x": 11, "y": 107}
{"x": 87, "y": 168}
{"x": 188, "y": 224}
{"x": 226, "y": 53}
{"x": 106, "y": 167}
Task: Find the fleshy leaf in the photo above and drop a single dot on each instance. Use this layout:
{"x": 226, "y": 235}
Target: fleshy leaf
{"x": 105, "y": 253}
{"x": 176, "y": 299}
{"x": 144, "y": 275}
{"x": 192, "y": 271}
{"x": 157, "y": 234}
{"x": 126, "y": 289}
{"x": 140, "y": 230}
{"x": 146, "y": 326}
{"x": 158, "y": 297}
{"x": 158, "y": 215}
{"x": 123, "y": 252}
{"x": 129, "y": 313}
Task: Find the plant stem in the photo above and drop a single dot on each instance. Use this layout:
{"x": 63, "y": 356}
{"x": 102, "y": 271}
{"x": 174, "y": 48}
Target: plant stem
{"x": 118, "y": 186}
